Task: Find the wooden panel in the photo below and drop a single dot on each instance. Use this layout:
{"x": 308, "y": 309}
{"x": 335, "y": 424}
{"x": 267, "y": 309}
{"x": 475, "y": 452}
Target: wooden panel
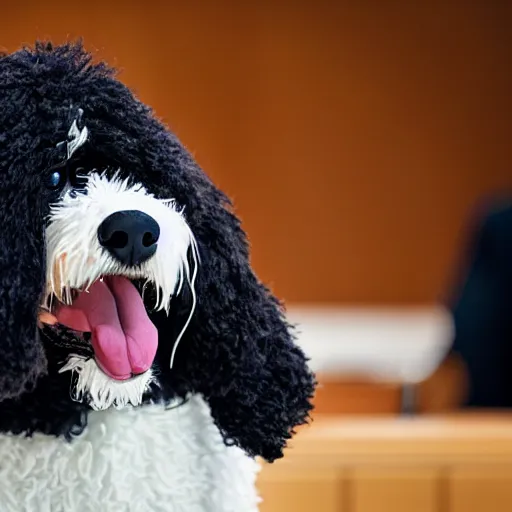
{"x": 300, "y": 489}
{"x": 345, "y": 396}
{"x": 353, "y": 157}
{"x": 404, "y": 489}
{"x": 481, "y": 489}
{"x": 455, "y": 463}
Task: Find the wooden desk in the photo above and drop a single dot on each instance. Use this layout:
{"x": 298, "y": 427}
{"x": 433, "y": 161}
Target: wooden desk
{"x": 456, "y": 463}
{"x": 442, "y": 392}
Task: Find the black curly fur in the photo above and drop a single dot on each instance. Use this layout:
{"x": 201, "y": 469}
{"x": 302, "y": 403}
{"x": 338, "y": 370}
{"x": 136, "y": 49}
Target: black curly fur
{"x": 238, "y": 351}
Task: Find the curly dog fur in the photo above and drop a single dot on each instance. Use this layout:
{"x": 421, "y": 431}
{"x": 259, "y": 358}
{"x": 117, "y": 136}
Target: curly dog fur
{"x": 238, "y": 351}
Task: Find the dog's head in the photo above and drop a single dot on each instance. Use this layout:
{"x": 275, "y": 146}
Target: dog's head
{"x": 111, "y": 232}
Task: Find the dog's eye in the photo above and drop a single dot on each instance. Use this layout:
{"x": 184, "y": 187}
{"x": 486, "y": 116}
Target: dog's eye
{"x": 56, "y": 179}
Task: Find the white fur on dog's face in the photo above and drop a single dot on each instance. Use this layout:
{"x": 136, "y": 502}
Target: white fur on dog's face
{"x": 75, "y": 260}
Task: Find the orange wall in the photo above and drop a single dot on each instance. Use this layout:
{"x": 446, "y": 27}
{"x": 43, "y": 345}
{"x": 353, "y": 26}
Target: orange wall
{"x": 353, "y": 138}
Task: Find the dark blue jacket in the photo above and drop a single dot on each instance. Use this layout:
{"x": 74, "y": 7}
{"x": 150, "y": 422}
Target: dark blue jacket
{"x": 482, "y": 312}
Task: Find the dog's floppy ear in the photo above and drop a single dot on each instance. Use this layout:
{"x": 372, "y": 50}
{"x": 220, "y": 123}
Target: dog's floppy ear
{"x": 238, "y": 350}
{"x": 22, "y": 357}
{"x": 253, "y": 375}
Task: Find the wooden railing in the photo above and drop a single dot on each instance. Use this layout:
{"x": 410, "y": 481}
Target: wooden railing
{"x": 455, "y": 463}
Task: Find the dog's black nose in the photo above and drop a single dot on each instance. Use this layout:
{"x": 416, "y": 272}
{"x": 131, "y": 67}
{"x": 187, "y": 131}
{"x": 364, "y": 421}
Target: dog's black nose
{"x": 130, "y": 236}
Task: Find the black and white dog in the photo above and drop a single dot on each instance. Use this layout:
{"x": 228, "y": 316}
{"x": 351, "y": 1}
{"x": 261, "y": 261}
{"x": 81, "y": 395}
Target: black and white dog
{"x": 142, "y": 364}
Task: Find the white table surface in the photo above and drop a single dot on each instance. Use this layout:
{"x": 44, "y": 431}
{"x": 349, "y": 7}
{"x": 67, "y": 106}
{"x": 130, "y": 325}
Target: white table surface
{"x": 387, "y": 344}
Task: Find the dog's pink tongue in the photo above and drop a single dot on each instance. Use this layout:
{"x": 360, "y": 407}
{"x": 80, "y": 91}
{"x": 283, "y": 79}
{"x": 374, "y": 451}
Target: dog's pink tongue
{"x": 123, "y": 337}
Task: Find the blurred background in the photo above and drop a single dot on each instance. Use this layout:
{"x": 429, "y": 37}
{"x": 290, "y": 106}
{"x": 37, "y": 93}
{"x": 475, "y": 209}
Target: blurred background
{"x": 364, "y": 145}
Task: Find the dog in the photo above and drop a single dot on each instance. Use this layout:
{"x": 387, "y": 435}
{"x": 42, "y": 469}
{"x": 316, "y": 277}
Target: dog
{"x": 143, "y": 365}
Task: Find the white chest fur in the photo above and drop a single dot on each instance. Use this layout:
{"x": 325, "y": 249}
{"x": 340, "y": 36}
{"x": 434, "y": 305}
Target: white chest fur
{"x": 143, "y": 460}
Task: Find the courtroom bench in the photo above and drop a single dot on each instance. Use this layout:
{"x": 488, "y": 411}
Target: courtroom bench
{"x": 441, "y": 463}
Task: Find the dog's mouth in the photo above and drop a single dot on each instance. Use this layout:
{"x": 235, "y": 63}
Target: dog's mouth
{"x": 112, "y": 310}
